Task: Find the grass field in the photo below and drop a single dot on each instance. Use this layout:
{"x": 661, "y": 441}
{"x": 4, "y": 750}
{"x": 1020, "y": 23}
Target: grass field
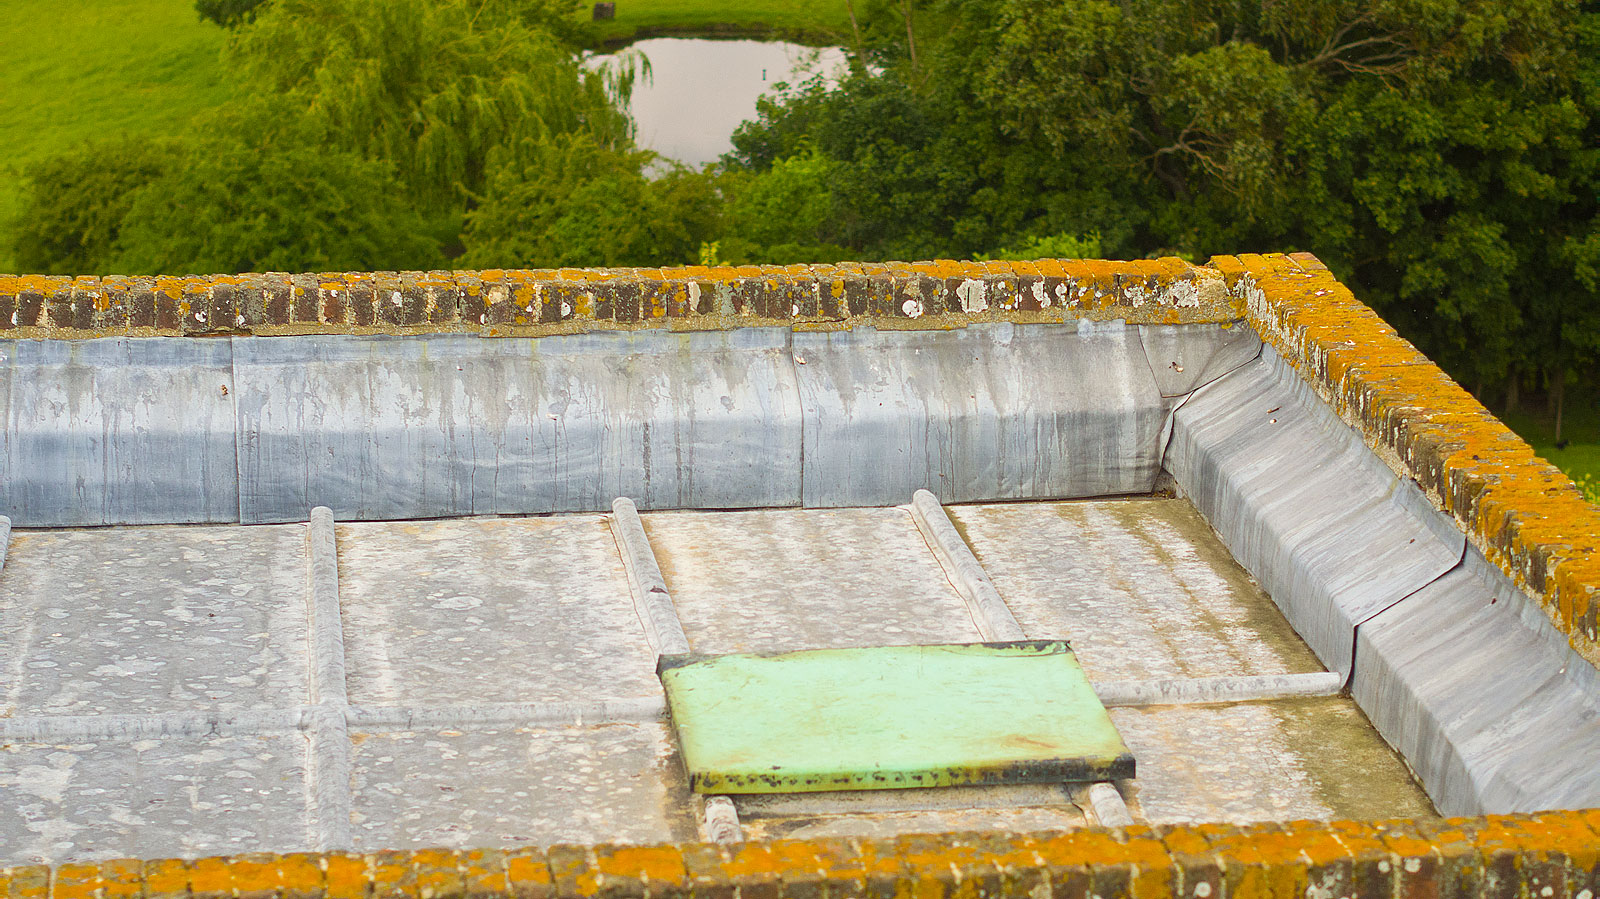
{"x": 80, "y": 69}
{"x": 818, "y": 21}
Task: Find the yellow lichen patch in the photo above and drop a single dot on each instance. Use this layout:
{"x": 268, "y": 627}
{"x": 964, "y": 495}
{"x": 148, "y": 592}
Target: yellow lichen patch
{"x": 27, "y": 882}
{"x": 345, "y": 875}
{"x": 657, "y": 867}
{"x": 76, "y": 882}
{"x": 433, "y": 873}
{"x": 300, "y": 875}
{"x": 254, "y": 875}
{"x": 1152, "y": 863}
{"x": 388, "y": 875}
{"x": 119, "y": 879}
{"x": 210, "y": 878}
{"x": 528, "y": 874}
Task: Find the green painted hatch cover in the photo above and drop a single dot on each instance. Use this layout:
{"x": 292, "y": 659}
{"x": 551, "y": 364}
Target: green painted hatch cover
{"x": 890, "y": 717}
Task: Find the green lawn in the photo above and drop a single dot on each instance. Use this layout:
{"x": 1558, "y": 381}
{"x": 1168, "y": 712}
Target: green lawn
{"x": 816, "y": 21}
{"x": 81, "y": 69}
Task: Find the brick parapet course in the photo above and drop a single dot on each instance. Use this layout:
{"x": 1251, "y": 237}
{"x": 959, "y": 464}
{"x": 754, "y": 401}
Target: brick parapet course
{"x": 1520, "y": 511}
{"x": 1548, "y": 856}
{"x": 521, "y": 303}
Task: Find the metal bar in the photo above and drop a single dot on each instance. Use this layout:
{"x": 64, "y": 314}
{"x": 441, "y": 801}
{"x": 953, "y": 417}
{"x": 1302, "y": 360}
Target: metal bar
{"x": 721, "y": 823}
{"x": 612, "y": 711}
{"x": 989, "y": 611}
{"x": 69, "y": 728}
{"x": 328, "y": 778}
{"x": 650, "y": 597}
{"x": 1200, "y": 690}
{"x": 1106, "y": 803}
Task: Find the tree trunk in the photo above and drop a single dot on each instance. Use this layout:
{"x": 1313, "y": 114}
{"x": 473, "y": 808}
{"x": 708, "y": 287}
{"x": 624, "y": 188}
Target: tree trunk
{"x": 1558, "y": 392}
{"x": 911, "y": 36}
{"x": 855, "y": 29}
{"x": 1513, "y": 390}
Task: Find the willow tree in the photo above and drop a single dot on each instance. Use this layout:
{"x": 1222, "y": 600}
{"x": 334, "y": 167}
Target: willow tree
{"x": 432, "y": 86}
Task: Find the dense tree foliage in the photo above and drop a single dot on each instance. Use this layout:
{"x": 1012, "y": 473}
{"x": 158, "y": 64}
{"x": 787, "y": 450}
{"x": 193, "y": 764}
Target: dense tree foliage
{"x": 289, "y": 207}
{"x": 1442, "y": 155}
{"x": 229, "y": 13}
{"x": 74, "y": 204}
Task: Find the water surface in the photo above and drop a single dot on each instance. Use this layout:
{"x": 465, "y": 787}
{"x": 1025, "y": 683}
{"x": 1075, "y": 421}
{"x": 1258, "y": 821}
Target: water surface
{"x": 700, "y": 89}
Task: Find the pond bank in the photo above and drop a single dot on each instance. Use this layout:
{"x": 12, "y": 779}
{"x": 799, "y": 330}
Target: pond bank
{"x": 819, "y": 23}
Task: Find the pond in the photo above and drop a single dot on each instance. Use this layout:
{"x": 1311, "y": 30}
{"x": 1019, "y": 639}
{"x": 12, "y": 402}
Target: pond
{"x": 700, "y": 89}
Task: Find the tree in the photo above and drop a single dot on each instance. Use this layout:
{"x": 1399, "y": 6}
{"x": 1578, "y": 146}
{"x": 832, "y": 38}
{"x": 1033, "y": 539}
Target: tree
{"x": 233, "y": 207}
{"x": 1440, "y": 155}
{"x": 229, "y": 13}
{"x": 432, "y": 86}
{"x": 571, "y": 200}
{"x": 73, "y": 205}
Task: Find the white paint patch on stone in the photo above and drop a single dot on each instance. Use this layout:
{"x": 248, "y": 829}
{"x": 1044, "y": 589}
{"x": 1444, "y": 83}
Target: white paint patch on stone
{"x": 498, "y": 294}
{"x": 1202, "y": 889}
{"x": 1185, "y": 294}
{"x": 973, "y": 297}
{"x": 395, "y": 298}
{"x": 1040, "y": 294}
{"x": 911, "y": 308}
{"x": 566, "y": 308}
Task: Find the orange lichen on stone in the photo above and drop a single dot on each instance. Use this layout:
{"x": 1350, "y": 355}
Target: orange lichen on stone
{"x": 254, "y": 875}
{"x": 640, "y": 870}
{"x": 389, "y": 875}
{"x": 528, "y": 874}
{"x": 433, "y": 873}
{"x": 26, "y": 882}
{"x": 300, "y": 875}
{"x": 210, "y": 878}
{"x": 76, "y": 882}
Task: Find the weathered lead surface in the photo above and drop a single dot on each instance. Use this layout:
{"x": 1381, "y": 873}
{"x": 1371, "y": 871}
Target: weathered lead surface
{"x": 1322, "y": 523}
{"x": 384, "y": 428}
{"x": 611, "y": 783}
{"x": 117, "y": 431}
{"x": 489, "y": 611}
{"x": 1142, "y": 588}
{"x": 1485, "y": 697}
{"x": 149, "y": 620}
{"x": 773, "y": 581}
{"x": 175, "y": 796}
{"x": 1184, "y": 358}
{"x": 987, "y": 412}
{"x": 1293, "y": 759}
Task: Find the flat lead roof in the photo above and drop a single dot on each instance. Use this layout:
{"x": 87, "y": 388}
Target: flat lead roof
{"x": 195, "y": 690}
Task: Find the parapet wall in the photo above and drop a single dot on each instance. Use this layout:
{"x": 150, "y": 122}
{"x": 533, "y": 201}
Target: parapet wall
{"x": 1522, "y": 513}
{"x": 1551, "y": 856}
{"x": 531, "y": 303}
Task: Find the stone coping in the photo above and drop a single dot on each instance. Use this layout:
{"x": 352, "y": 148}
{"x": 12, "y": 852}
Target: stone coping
{"x": 1520, "y": 511}
{"x": 530, "y": 303}
{"x": 1548, "y": 856}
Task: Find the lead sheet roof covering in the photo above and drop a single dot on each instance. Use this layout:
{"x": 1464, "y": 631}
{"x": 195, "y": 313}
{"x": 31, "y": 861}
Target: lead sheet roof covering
{"x": 1327, "y": 528}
